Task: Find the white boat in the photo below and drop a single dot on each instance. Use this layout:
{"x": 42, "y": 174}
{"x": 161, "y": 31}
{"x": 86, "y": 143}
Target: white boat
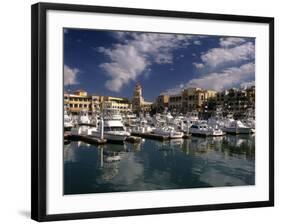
{"x": 142, "y": 127}
{"x": 67, "y": 121}
{"x": 168, "y": 131}
{"x": 237, "y": 127}
{"x": 192, "y": 117}
{"x": 111, "y": 128}
{"x": 83, "y": 129}
{"x": 250, "y": 119}
{"x": 202, "y": 129}
{"x": 83, "y": 118}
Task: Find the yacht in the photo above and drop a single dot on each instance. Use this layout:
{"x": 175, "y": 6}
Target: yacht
{"x": 237, "y": 127}
{"x": 83, "y": 125}
{"x": 142, "y": 127}
{"x": 83, "y": 118}
{"x": 202, "y": 129}
{"x": 192, "y": 117}
{"x": 168, "y": 131}
{"x": 111, "y": 128}
{"x": 130, "y": 119}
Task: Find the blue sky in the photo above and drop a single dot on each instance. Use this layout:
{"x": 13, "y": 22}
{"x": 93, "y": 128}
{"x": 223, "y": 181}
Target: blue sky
{"x": 112, "y": 62}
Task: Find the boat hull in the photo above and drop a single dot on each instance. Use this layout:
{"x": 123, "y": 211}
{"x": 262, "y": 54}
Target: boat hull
{"x": 111, "y": 136}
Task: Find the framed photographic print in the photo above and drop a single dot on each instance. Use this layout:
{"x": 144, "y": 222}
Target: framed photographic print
{"x": 138, "y": 111}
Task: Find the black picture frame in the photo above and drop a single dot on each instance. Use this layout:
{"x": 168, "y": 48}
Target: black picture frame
{"x": 39, "y": 108}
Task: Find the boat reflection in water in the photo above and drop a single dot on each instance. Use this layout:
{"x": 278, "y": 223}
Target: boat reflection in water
{"x": 153, "y": 165}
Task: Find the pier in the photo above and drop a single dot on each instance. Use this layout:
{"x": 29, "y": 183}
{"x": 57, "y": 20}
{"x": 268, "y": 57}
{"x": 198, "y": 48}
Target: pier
{"x": 151, "y": 136}
{"x": 86, "y": 138}
{"x": 133, "y": 139}
{"x": 97, "y": 141}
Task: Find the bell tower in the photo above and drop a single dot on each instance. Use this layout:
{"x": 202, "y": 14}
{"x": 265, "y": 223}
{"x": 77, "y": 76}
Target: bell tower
{"x": 137, "y": 98}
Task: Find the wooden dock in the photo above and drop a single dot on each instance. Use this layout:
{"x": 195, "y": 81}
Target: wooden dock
{"x": 150, "y": 136}
{"x": 86, "y": 138}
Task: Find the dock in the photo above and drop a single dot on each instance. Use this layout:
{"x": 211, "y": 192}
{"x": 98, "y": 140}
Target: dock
{"x": 186, "y": 135}
{"x": 133, "y": 139}
{"x": 86, "y": 138}
{"x": 150, "y": 136}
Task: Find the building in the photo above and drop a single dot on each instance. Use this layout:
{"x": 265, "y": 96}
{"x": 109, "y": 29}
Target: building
{"x": 195, "y": 99}
{"x": 236, "y": 101}
{"x": 175, "y": 103}
{"x": 138, "y": 102}
{"x": 78, "y": 101}
{"x": 122, "y": 104}
{"x": 162, "y": 102}
{"x": 96, "y": 103}
{"x": 190, "y": 99}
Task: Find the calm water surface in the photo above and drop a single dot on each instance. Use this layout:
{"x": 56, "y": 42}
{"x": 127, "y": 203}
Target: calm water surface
{"x": 154, "y": 165}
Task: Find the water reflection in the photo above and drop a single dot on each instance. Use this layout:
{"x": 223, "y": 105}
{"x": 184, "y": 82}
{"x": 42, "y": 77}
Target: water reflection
{"x": 151, "y": 165}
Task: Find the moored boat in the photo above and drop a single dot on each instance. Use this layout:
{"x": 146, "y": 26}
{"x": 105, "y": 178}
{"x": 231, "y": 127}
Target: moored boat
{"x": 237, "y": 127}
{"x": 111, "y": 128}
{"x": 168, "y": 131}
{"x": 202, "y": 129}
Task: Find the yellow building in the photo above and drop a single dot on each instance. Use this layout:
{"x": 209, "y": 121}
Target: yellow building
{"x": 78, "y": 101}
{"x": 162, "y": 102}
{"x": 122, "y": 104}
{"x": 175, "y": 103}
{"x": 192, "y": 99}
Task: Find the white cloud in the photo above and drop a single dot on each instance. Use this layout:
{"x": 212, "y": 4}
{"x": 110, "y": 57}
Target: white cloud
{"x": 197, "y": 42}
{"x": 126, "y": 65}
{"x": 247, "y": 84}
{"x": 70, "y": 75}
{"x": 135, "y": 52}
{"x": 226, "y": 79}
{"x": 173, "y": 91}
{"x": 198, "y": 65}
{"x": 220, "y": 56}
{"x": 234, "y": 76}
{"x": 231, "y": 41}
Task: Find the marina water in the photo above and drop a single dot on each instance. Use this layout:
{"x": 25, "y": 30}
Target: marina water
{"x": 157, "y": 165}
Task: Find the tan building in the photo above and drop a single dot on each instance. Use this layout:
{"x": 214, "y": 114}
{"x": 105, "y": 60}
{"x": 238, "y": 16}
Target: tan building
{"x": 78, "y": 101}
{"x": 97, "y": 103}
{"x": 175, "y": 103}
{"x": 236, "y": 101}
{"x": 162, "y": 102}
{"x": 195, "y": 98}
{"x": 122, "y": 104}
{"x": 138, "y": 102}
